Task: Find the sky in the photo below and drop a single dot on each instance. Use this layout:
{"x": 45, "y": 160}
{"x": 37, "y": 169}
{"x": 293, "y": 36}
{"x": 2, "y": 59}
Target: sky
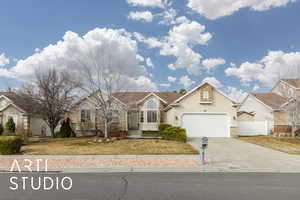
{"x": 240, "y": 46}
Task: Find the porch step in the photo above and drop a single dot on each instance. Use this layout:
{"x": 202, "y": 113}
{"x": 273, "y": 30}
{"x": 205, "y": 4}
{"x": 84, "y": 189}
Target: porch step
{"x": 135, "y": 133}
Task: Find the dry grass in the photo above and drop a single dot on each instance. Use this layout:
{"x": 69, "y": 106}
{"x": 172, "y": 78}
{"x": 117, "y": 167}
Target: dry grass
{"x": 82, "y": 146}
{"x": 284, "y": 144}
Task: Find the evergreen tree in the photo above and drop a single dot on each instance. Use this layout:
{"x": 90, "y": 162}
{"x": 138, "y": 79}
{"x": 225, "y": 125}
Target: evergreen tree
{"x": 1, "y": 129}
{"x": 10, "y": 127}
{"x": 66, "y": 130}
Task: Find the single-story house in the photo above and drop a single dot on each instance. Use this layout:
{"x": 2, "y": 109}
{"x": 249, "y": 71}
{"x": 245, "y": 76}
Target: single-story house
{"x": 12, "y": 106}
{"x": 203, "y": 111}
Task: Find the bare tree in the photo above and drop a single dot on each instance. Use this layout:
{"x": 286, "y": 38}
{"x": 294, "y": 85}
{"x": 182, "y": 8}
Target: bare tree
{"x": 292, "y": 106}
{"x": 52, "y": 95}
{"x": 102, "y": 77}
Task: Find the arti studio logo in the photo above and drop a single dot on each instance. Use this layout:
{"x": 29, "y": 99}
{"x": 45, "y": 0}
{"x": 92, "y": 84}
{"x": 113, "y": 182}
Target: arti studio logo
{"x": 36, "y": 181}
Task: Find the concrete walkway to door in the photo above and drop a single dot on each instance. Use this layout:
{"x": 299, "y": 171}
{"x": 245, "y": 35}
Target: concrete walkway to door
{"x": 231, "y": 154}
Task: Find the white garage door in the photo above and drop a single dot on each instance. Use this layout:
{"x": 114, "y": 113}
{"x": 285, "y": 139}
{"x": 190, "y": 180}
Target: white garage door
{"x": 205, "y": 124}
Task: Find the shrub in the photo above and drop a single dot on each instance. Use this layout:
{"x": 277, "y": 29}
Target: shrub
{"x": 174, "y": 133}
{"x": 10, "y": 145}
{"x": 66, "y": 130}
{"x": 58, "y": 135}
{"x": 297, "y": 132}
{"x": 10, "y": 127}
{"x": 163, "y": 127}
{"x": 1, "y": 129}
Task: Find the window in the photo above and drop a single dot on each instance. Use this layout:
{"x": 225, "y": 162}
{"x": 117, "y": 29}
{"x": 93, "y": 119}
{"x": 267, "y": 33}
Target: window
{"x": 142, "y": 116}
{"x": 85, "y": 115}
{"x": 205, "y": 95}
{"x": 151, "y": 104}
{"x": 151, "y": 116}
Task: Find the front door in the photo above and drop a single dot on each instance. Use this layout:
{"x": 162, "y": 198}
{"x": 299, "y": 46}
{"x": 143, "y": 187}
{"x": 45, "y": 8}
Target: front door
{"x": 133, "y": 120}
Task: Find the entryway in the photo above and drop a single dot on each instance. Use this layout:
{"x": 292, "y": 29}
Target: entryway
{"x": 133, "y": 120}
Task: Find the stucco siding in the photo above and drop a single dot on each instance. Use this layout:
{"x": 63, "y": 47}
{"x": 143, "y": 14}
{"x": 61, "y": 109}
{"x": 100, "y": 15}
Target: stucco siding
{"x": 38, "y": 127}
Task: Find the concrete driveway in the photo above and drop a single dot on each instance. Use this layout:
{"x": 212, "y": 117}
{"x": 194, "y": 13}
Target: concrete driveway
{"x": 233, "y": 154}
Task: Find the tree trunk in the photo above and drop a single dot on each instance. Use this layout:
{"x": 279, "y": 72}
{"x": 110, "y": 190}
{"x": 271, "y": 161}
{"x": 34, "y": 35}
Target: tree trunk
{"x": 52, "y": 128}
{"x": 293, "y": 130}
{"x": 105, "y": 129}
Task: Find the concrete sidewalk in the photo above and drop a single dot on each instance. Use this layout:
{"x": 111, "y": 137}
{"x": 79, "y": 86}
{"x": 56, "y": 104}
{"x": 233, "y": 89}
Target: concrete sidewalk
{"x": 105, "y": 163}
{"x": 134, "y": 163}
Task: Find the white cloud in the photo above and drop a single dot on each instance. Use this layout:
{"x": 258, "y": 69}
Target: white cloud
{"x": 218, "y": 8}
{"x": 152, "y": 42}
{"x": 149, "y": 62}
{"x": 246, "y": 71}
{"x": 182, "y": 19}
{"x": 3, "y": 60}
{"x": 61, "y": 56}
{"x": 211, "y": 63}
{"x": 277, "y": 64}
{"x": 236, "y": 94}
{"x": 146, "y": 3}
{"x": 213, "y": 81}
{"x": 186, "y": 81}
{"x": 144, "y": 16}
{"x": 179, "y": 42}
{"x": 172, "y": 79}
{"x": 140, "y": 58}
{"x": 142, "y": 83}
{"x": 37, "y": 50}
{"x": 6, "y": 73}
{"x": 165, "y": 85}
{"x": 256, "y": 87}
{"x": 168, "y": 16}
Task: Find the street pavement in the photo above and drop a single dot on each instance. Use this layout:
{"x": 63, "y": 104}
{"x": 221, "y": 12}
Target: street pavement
{"x": 156, "y": 186}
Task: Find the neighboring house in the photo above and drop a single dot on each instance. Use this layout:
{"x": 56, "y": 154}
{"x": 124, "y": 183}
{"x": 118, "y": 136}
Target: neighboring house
{"x": 11, "y": 106}
{"x": 262, "y": 107}
{"x": 270, "y": 107}
{"x": 204, "y": 111}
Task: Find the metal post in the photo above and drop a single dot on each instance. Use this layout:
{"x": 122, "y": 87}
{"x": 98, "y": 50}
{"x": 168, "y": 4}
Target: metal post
{"x": 203, "y": 156}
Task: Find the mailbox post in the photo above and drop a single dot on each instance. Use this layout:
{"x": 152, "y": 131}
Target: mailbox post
{"x": 204, "y": 144}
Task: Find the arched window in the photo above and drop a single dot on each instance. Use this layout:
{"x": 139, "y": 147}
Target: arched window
{"x": 151, "y": 104}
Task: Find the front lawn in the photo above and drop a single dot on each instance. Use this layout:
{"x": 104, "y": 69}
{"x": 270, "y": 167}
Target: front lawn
{"x": 83, "y": 146}
{"x": 284, "y": 144}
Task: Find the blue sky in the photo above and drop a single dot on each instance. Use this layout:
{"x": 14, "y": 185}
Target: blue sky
{"x": 256, "y": 42}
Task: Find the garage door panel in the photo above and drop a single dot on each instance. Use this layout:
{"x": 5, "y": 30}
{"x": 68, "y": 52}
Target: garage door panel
{"x": 209, "y": 125}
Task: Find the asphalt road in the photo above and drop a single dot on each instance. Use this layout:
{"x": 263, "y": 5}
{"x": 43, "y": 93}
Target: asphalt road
{"x": 156, "y": 186}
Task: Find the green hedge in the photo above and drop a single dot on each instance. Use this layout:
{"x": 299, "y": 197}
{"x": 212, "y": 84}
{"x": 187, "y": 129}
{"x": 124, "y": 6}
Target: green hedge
{"x": 163, "y": 127}
{"x": 10, "y": 145}
{"x": 174, "y": 133}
